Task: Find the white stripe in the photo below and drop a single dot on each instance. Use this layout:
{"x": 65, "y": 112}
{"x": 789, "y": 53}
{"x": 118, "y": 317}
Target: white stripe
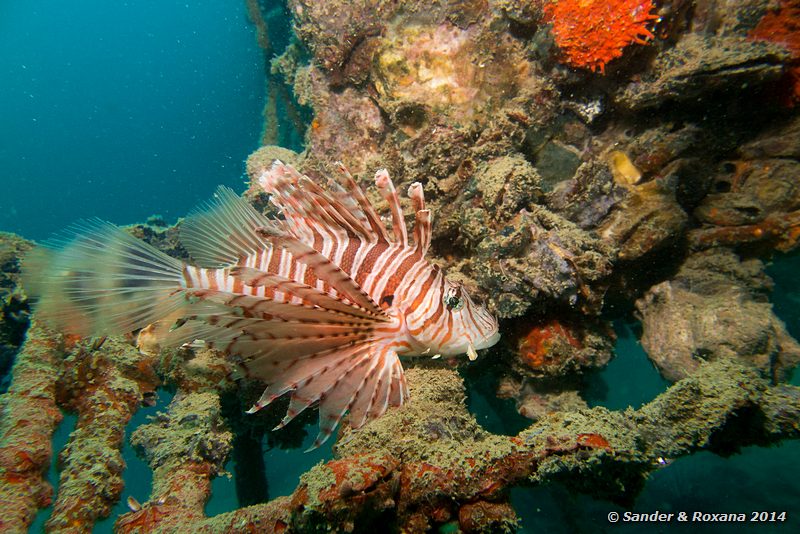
{"x": 193, "y": 276}
{"x": 411, "y": 284}
{"x": 392, "y": 269}
{"x": 361, "y": 254}
{"x": 421, "y": 317}
{"x": 225, "y": 283}
{"x": 327, "y": 246}
{"x": 379, "y": 270}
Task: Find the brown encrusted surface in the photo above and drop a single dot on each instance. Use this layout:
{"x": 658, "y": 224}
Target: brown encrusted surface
{"x": 28, "y": 418}
{"x": 715, "y": 307}
{"x": 186, "y": 447}
{"x": 508, "y": 133}
{"x": 429, "y": 461}
{"x": 104, "y": 381}
{"x": 14, "y": 308}
{"x": 700, "y": 65}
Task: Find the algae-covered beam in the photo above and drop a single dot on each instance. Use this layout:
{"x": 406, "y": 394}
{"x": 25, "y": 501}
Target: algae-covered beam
{"x": 424, "y": 463}
{"x": 104, "y": 380}
{"x": 28, "y": 418}
{"x": 778, "y": 230}
{"x": 273, "y": 517}
{"x": 186, "y": 447}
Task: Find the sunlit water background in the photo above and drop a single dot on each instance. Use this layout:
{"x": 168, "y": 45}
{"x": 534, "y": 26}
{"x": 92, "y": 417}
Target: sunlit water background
{"x": 122, "y": 110}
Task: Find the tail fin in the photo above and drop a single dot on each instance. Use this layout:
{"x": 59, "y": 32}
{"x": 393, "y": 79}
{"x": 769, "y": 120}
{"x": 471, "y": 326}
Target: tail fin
{"x": 98, "y": 280}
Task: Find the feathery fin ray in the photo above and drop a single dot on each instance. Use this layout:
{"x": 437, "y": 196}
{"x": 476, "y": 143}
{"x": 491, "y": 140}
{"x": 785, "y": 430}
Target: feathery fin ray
{"x": 96, "y": 279}
{"x": 389, "y": 194}
{"x": 222, "y": 231}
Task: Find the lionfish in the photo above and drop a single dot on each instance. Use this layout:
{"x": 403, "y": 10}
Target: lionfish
{"x": 319, "y": 303}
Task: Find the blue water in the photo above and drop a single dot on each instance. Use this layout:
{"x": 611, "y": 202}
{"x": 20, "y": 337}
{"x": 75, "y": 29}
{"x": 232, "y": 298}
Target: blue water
{"x": 629, "y": 379}
{"x": 786, "y": 297}
{"x": 122, "y": 110}
{"x": 60, "y": 439}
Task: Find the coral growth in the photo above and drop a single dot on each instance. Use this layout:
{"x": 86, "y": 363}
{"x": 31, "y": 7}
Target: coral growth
{"x": 700, "y": 65}
{"x": 444, "y": 69}
{"x": 104, "y": 381}
{"x": 714, "y": 309}
{"x": 28, "y": 417}
{"x": 536, "y": 347}
{"x": 782, "y": 26}
{"x": 590, "y": 33}
{"x": 755, "y": 200}
{"x": 14, "y": 310}
{"x": 428, "y": 66}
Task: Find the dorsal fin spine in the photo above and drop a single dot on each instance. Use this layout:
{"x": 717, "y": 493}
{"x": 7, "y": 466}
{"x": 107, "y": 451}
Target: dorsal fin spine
{"x": 389, "y": 194}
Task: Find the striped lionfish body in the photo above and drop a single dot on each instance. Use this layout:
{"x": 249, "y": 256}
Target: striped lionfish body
{"x": 320, "y": 303}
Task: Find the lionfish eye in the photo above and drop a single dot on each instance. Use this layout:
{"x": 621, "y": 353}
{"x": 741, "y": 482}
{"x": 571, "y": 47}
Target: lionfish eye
{"x": 453, "y": 303}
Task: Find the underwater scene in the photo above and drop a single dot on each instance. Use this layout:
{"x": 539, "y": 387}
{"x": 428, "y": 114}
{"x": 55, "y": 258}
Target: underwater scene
{"x": 400, "y": 266}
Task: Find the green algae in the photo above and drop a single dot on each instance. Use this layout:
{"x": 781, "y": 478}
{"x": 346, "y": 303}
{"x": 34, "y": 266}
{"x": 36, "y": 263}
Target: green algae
{"x": 192, "y": 430}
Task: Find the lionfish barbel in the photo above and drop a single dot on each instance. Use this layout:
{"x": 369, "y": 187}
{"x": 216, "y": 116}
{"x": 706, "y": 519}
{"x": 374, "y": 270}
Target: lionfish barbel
{"x": 319, "y": 304}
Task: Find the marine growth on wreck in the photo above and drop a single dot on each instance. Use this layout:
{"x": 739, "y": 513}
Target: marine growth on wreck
{"x": 518, "y": 265}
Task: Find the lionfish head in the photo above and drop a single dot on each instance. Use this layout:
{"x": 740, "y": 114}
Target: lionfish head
{"x": 473, "y": 327}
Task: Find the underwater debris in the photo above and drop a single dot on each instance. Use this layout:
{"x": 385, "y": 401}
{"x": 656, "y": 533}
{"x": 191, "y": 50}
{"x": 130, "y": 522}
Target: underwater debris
{"x": 752, "y": 202}
{"x": 105, "y": 383}
{"x": 185, "y": 447}
{"x": 428, "y": 66}
{"x": 349, "y": 128}
{"x": 782, "y": 26}
{"x": 699, "y": 65}
{"x": 14, "y": 308}
{"x": 780, "y": 140}
{"x": 443, "y": 70}
{"x": 715, "y": 309}
{"x": 29, "y": 415}
{"x": 588, "y": 196}
{"x": 648, "y": 218}
{"x": 535, "y": 399}
{"x": 556, "y": 348}
{"x": 513, "y": 158}
{"x": 590, "y": 33}
{"x": 537, "y": 346}
{"x": 546, "y": 359}
{"x": 443, "y": 475}
{"x": 438, "y": 477}
{"x": 336, "y": 32}
{"x": 746, "y": 192}
{"x": 487, "y": 516}
{"x": 277, "y": 91}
